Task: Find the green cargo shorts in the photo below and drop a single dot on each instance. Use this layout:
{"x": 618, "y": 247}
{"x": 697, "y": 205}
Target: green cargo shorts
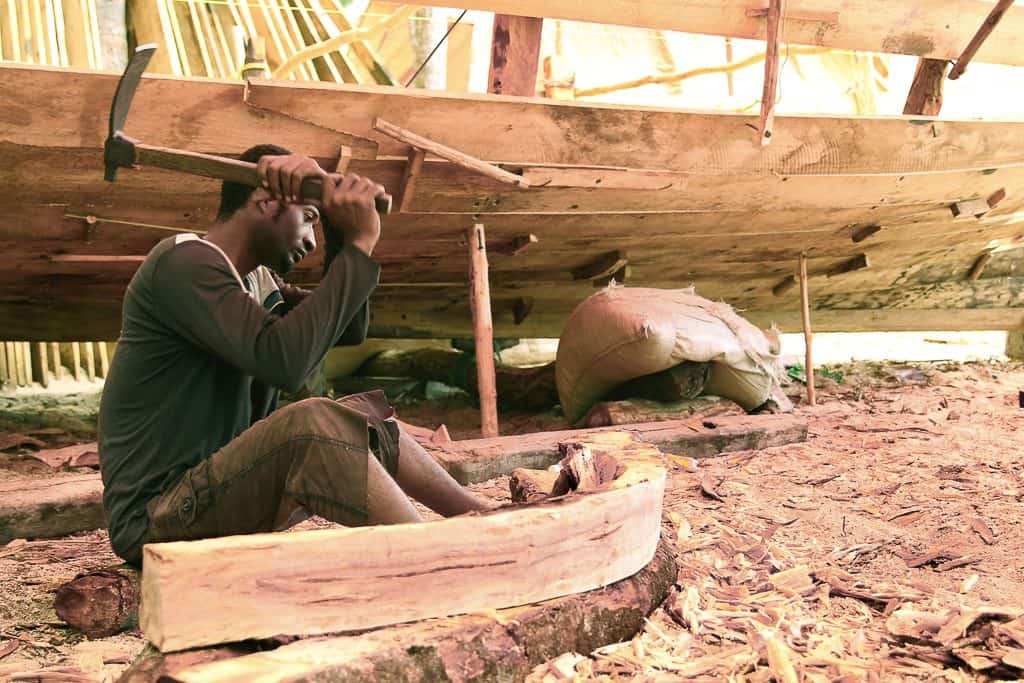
{"x": 314, "y": 452}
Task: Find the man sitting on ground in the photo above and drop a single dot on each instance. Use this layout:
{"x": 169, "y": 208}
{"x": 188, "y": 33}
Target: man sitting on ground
{"x": 189, "y": 447}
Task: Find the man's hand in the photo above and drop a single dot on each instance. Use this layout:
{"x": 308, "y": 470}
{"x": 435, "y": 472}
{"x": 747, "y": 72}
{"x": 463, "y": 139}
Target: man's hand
{"x": 348, "y": 203}
{"x": 282, "y": 175}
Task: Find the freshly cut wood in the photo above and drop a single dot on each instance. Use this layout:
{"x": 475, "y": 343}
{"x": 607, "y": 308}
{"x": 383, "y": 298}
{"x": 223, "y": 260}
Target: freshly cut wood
{"x": 100, "y": 603}
{"x": 46, "y": 508}
{"x": 635, "y": 411}
{"x": 679, "y": 383}
{"x": 229, "y": 589}
{"x": 501, "y": 645}
{"x": 531, "y": 486}
{"x": 478, "y": 460}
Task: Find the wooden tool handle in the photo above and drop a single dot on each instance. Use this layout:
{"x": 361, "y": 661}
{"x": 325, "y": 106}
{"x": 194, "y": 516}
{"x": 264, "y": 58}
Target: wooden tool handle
{"x": 225, "y": 168}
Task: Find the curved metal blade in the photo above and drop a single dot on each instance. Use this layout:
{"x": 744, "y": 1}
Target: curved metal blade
{"x": 127, "y": 85}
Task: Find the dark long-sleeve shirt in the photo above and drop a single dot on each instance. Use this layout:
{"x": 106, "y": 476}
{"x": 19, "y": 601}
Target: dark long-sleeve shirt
{"x": 201, "y": 354}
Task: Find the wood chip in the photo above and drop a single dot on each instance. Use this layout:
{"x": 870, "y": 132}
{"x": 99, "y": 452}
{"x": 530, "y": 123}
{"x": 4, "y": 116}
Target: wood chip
{"x": 983, "y": 530}
{"x": 9, "y": 648}
{"x": 709, "y": 489}
{"x": 958, "y": 562}
{"x": 1014, "y": 657}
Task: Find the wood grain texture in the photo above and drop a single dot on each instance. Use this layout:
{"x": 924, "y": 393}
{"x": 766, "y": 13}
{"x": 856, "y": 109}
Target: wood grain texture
{"x": 515, "y": 55}
{"x": 483, "y": 329}
{"x": 352, "y": 579}
{"x": 47, "y": 508}
{"x": 925, "y": 96}
{"x": 503, "y": 645}
{"x": 899, "y": 26}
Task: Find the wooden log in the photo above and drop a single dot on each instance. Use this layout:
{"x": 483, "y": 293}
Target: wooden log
{"x": 76, "y": 361}
{"x": 805, "y": 312}
{"x": 5, "y": 377}
{"x": 515, "y": 55}
{"x": 531, "y": 486}
{"x": 12, "y": 363}
{"x": 993, "y": 18}
{"x": 681, "y": 382}
{"x": 26, "y": 359}
{"x": 637, "y": 411}
{"x": 483, "y": 330}
{"x": 47, "y": 508}
{"x": 925, "y": 96}
{"x": 766, "y": 121}
{"x": 266, "y": 584}
{"x": 19, "y": 362}
{"x": 478, "y": 460}
{"x": 502, "y": 645}
{"x": 100, "y": 603}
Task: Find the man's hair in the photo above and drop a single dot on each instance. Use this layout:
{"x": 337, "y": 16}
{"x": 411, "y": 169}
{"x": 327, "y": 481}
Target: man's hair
{"x": 233, "y": 196}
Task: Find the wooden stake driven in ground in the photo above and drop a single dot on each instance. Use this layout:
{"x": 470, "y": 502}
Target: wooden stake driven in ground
{"x": 805, "y": 310}
{"x": 771, "y": 69}
{"x": 228, "y": 589}
{"x": 483, "y": 330}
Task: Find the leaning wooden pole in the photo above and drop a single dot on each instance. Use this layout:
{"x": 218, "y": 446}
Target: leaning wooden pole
{"x": 483, "y": 330}
{"x": 972, "y": 48}
{"x": 771, "y": 69}
{"x": 805, "y": 309}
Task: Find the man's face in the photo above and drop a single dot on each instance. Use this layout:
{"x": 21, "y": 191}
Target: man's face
{"x": 288, "y": 234}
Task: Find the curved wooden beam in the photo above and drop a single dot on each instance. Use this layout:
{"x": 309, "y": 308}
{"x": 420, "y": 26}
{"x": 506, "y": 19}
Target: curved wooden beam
{"x": 304, "y": 583}
{"x": 344, "y": 38}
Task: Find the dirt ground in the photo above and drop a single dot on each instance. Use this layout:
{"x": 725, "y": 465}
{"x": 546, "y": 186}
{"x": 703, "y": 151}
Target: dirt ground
{"x": 865, "y": 553}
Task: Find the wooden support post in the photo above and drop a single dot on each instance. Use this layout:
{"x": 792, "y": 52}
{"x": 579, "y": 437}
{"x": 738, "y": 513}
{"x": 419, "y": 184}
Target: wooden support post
{"x": 90, "y": 361}
{"x": 44, "y": 370}
{"x": 58, "y": 367}
{"x": 805, "y": 309}
{"x": 972, "y": 47}
{"x": 76, "y": 360}
{"x": 771, "y": 70}
{"x": 483, "y": 330}
{"x": 4, "y": 374}
{"x": 412, "y": 171}
{"x": 104, "y": 359}
{"x": 515, "y": 55}
{"x": 925, "y": 96}
{"x": 559, "y": 78}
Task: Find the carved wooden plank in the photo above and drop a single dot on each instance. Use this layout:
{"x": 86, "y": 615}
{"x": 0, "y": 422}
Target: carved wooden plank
{"x": 352, "y": 579}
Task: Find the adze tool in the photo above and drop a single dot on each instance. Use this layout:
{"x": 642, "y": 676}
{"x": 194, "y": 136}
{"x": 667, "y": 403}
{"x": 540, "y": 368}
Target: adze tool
{"x": 122, "y": 151}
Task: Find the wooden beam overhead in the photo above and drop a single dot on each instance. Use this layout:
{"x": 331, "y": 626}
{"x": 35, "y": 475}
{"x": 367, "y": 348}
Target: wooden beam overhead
{"x": 896, "y": 26}
{"x": 515, "y": 55}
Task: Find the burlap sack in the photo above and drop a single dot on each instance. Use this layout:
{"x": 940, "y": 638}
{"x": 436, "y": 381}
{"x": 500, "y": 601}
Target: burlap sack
{"x": 621, "y": 333}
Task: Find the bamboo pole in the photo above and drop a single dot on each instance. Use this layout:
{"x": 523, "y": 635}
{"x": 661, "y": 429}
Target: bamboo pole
{"x": 331, "y": 44}
{"x": 26, "y": 359}
{"x": 104, "y": 359}
{"x": 483, "y": 330}
{"x": 805, "y": 310}
{"x": 4, "y": 373}
{"x": 44, "y": 370}
{"x": 76, "y": 361}
{"x": 771, "y": 70}
{"x": 58, "y": 367}
{"x": 90, "y": 361}
{"x": 662, "y": 79}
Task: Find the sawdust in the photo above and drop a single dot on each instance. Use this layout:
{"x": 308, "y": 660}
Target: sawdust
{"x": 815, "y": 561}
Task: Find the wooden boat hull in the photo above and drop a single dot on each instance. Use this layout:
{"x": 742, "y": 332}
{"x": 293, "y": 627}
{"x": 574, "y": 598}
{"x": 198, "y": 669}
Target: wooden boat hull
{"x": 688, "y": 197}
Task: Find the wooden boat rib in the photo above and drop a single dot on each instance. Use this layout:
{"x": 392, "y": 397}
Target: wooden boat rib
{"x": 688, "y": 197}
